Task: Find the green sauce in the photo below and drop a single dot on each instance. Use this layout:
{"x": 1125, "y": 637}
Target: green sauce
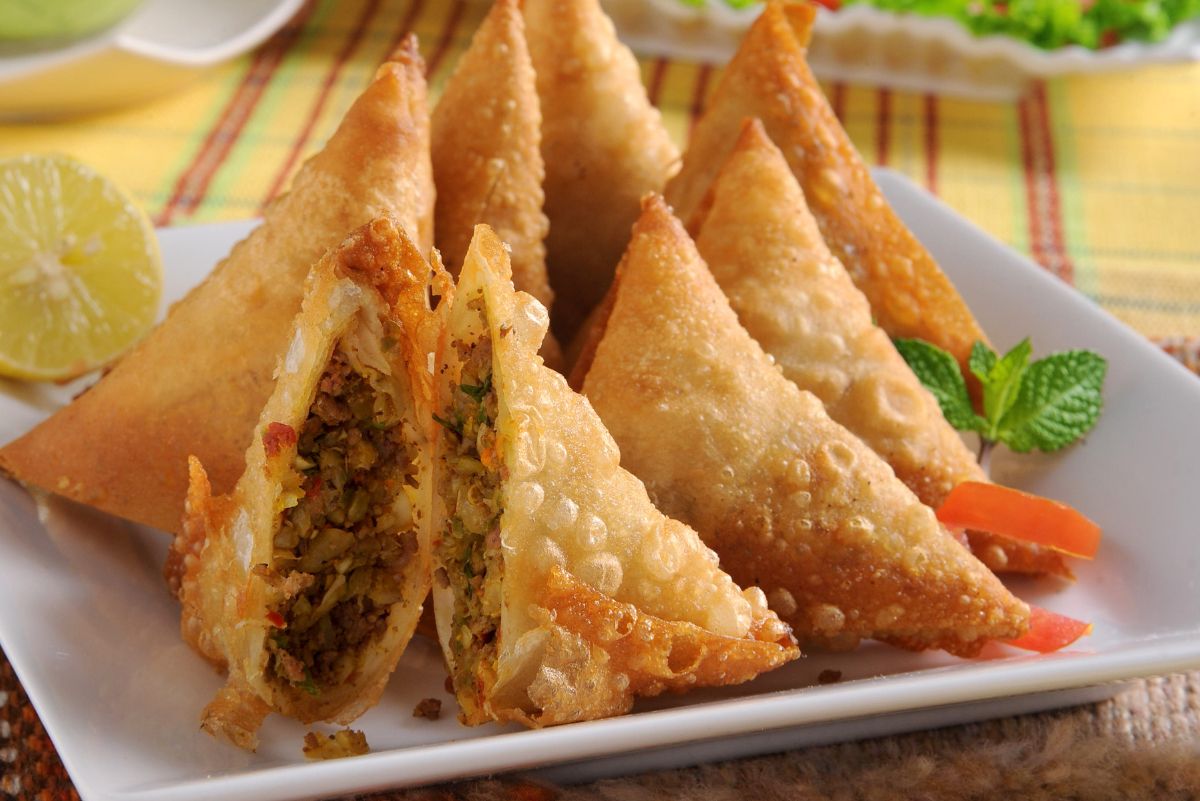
{"x": 30, "y": 20}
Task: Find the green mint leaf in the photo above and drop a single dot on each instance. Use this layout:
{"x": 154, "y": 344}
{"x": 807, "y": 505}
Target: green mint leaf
{"x": 1002, "y": 384}
{"x": 1059, "y": 401}
{"x": 982, "y": 360}
{"x": 939, "y": 373}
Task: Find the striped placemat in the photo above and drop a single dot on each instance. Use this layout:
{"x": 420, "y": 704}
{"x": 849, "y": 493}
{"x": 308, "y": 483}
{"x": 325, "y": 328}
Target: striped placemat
{"x": 1096, "y": 178}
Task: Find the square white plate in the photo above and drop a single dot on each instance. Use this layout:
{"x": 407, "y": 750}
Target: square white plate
{"x": 89, "y": 626}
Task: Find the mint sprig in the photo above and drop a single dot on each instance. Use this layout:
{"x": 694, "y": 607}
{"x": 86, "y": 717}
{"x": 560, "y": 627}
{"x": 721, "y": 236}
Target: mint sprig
{"x": 1046, "y": 404}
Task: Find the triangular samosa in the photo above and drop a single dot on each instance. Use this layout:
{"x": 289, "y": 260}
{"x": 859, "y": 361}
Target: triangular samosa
{"x": 604, "y": 146}
{"x": 794, "y": 297}
{"x": 769, "y": 78}
{"x": 790, "y": 501}
{"x": 487, "y": 160}
{"x": 307, "y": 582}
{"x": 560, "y": 592}
{"x": 196, "y": 384}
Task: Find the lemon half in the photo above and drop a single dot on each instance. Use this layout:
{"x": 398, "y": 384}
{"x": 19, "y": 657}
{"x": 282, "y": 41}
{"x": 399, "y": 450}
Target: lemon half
{"x": 80, "y": 270}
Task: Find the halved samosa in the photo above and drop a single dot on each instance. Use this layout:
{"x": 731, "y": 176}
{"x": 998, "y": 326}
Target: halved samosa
{"x": 790, "y": 501}
{"x": 794, "y": 297}
{"x": 769, "y": 78}
{"x": 560, "y": 592}
{"x": 197, "y": 383}
{"x": 604, "y": 146}
{"x": 307, "y": 582}
{"x": 487, "y": 160}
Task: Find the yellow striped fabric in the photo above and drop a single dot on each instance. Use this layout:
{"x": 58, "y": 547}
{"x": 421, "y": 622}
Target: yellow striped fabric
{"x": 1096, "y": 178}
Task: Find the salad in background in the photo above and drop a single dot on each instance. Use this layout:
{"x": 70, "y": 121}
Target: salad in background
{"x": 1048, "y": 24}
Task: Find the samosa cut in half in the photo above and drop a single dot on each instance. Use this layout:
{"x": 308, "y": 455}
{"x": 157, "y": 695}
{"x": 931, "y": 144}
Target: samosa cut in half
{"x": 306, "y": 583}
{"x": 604, "y": 146}
{"x": 791, "y": 501}
{"x": 196, "y": 384}
{"x": 769, "y": 78}
{"x": 487, "y": 160}
{"x": 560, "y": 592}
{"x": 794, "y": 297}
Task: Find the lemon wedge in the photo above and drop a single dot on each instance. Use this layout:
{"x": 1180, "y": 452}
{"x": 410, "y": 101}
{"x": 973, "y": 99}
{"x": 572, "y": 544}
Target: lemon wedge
{"x": 80, "y": 270}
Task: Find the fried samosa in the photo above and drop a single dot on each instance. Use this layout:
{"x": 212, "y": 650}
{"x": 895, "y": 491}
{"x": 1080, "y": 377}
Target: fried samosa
{"x": 487, "y": 160}
{"x": 307, "y": 582}
{"x": 604, "y": 146}
{"x": 791, "y": 501}
{"x": 794, "y": 297}
{"x": 769, "y": 78}
{"x": 197, "y": 383}
{"x": 560, "y": 592}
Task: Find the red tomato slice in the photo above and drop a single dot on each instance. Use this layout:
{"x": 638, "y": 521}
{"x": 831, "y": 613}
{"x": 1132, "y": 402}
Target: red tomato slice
{"x": 1049, "y": 631}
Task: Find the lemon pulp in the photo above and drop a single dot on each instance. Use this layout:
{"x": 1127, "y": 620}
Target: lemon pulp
{"x": 80, "y": 271}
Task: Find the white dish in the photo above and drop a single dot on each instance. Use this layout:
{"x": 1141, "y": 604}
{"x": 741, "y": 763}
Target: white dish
{"x": 87, "y": 622}
{"x": 157, "y": 49}
{"x": 861, "y": 44}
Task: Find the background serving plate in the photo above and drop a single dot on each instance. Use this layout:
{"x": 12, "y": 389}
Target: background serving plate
{"x": 861, "y": 44}
{"x": 87, "y": 622}
{"x": 159, "y": 48}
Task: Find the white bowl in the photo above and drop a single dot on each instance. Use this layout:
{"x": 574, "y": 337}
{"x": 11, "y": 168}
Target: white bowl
{"x": 157, "y": 49}
{"x": 861, "y": 44}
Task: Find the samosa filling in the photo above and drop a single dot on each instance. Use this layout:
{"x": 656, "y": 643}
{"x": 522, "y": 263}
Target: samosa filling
{"x": 470, "y": 544}
{"x": 340, "y": 552}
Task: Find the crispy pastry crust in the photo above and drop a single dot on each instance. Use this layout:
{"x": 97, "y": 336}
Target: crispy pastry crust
{"x": 487, "y": 160}
{"x": 197, "y": 383}
{"x": 791, "y": 501}
{"x": 604, "y": 146}
{"x": 797, "y": 300}
{"x": 769, "y": 78}
{"x": 580, "y": 536}
{"x": 376, "y": 282}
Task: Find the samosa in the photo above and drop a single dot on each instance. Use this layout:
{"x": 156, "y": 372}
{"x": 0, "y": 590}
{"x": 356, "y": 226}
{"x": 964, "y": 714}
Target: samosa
{"x": 796, "y": 299}
{"x": 307, "y": 582}
{"x": 604, "y": 146}
{"x": 791, "y": 501}
{"x": 769, "y": 78}
{"x": 196, "y": 384}
{"x": 560, "y": 592}
{"x": 487, "y": 160}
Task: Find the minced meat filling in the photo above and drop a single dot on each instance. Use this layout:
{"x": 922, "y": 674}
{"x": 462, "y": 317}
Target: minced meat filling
{"x": 472, "y": 493}
{"x": 340, "y": 551}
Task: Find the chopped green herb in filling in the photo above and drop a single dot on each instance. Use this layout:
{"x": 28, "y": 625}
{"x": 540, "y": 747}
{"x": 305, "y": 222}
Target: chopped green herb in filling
{"x": 340, "y": 551}
{"x": 471, "y": 488}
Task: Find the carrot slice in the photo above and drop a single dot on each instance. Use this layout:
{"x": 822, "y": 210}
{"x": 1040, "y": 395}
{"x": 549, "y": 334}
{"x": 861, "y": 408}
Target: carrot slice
{"x": 1011, "y": 513}
{"x": 1049, "y": 631}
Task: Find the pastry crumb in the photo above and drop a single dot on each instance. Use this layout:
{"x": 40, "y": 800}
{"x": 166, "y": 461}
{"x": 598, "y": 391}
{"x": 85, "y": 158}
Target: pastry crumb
{"x": 428, "y": 708}
{"x": 345, "y": 743}
{"x": 829, "y": 677}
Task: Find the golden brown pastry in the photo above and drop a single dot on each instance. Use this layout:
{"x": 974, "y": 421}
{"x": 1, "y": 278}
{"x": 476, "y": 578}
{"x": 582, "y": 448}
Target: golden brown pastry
{"x": 790, "y": 501}
{"x": 794, "y": 297}
{"x": 560, "y": 592}
{"x": 197, "y": 383}
{"x": 487, "y": 161}
{"x": 604, "y": 146}
{"x": 306, "y": 583}
{"x": 769, "y": 78}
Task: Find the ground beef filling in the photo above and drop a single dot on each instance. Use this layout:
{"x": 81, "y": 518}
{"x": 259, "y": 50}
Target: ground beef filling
{"x": 340, "y": 551}
{"x": 470, "y": 543}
